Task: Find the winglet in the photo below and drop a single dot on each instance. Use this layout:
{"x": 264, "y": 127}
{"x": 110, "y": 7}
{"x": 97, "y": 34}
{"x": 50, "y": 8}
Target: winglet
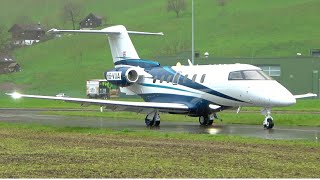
{"x": 53, "y": 30}
{"x": 14, "y": 95}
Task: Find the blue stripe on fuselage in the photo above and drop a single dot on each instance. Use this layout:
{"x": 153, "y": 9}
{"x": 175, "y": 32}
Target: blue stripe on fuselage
{"x": 166, "y": 71}
{"x": 165, "y": 87}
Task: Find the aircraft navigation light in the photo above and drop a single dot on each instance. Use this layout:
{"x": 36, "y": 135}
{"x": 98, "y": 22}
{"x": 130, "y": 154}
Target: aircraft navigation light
{"x": 16, "y": 95}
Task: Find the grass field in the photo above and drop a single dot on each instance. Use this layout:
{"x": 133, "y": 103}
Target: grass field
{"x": 32, "y": 151}
{"x": 242, "y": 28}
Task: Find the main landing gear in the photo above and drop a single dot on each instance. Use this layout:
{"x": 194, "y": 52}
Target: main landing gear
{"x": 207, "y": 120}
{"x": 268, "y": 120}
{"x": 153, "y": 119}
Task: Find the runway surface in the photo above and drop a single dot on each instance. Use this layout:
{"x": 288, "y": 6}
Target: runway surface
{"x": 35, "y": 116}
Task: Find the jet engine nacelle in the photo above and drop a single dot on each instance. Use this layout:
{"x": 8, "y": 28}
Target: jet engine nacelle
{"x": 123, "y": 77}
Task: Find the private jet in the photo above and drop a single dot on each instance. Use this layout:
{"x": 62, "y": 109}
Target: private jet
{"x": 193, "y": 90}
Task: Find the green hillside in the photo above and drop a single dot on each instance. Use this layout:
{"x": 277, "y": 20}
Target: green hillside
{"x": 241, "y": 28}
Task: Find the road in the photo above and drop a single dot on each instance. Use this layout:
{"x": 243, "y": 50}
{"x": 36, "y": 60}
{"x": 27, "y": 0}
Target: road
{"x": 35, "y": 116}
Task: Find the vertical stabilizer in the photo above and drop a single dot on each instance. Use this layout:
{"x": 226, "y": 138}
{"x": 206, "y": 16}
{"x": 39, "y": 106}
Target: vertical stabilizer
{"x": 121, "y": 45}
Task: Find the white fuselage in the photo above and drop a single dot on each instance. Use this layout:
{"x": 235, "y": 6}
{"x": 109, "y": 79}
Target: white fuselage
{"x": 215, "y": 87}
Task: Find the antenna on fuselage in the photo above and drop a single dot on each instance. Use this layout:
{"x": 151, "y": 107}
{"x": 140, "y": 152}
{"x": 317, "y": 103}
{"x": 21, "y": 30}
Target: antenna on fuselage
{"x": 190, "y": 63}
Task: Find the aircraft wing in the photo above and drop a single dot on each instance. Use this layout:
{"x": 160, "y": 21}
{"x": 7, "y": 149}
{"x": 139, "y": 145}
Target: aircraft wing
{"x": 305, "y": 95}
{"x": 140, "y": 107}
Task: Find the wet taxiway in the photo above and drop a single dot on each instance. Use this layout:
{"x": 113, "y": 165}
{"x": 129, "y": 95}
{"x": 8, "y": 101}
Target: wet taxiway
{"x": 35, "y": 116}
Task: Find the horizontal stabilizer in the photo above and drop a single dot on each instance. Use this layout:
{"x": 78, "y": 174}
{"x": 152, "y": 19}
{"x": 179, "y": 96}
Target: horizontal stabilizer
{"x": 109, "y": 31}
{"x": 305, "y": 95}
{"x": 102, "y": 31}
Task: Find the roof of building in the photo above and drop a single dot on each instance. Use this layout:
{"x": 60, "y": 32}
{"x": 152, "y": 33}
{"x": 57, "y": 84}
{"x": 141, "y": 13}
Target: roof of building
{"x": 96, "y": 16}
{"x": 27, "y": 27}
{"x": 6, "y": 58}
{"x": 93, "y": 15}
{"x": 12, "y": 65}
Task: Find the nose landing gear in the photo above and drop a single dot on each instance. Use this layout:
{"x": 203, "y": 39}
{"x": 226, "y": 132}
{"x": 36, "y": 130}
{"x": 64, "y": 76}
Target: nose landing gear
{"x": 268, "y": 120}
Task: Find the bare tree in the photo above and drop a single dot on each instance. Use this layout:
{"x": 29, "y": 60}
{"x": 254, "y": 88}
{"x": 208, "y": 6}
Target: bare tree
{"x": 221, "y": 2}
{"x": 72, "y": 12}
{"x": 177, "y": 6}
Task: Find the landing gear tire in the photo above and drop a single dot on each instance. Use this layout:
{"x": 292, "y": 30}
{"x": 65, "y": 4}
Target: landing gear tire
{"x": 157, "y": 123}
{"x": 153, "y": 119}
{"x": 210, "y": 122}
{"x": 149, "y": 122}
{"x": 203, "y": 120}
{"x": 268, "y": 123}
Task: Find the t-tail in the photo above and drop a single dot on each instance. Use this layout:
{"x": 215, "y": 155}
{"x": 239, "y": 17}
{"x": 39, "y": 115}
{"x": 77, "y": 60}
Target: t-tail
{"x": 120, "y": 43}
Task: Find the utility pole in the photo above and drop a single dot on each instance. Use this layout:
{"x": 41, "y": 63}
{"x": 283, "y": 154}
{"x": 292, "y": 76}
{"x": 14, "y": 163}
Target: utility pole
{"x": 192, "y": 38}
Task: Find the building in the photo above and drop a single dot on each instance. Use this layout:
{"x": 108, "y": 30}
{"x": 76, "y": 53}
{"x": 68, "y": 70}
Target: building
{"x": 298, "y": 74}
{"x": 26, "y": 34}
{"x": 8, "y": 65}
{"x": 315, "y": 52}
{"x": 91, "y": 21}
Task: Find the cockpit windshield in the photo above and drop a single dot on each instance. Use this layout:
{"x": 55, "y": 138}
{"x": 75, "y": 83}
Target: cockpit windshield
{"x": 248, "y": 75}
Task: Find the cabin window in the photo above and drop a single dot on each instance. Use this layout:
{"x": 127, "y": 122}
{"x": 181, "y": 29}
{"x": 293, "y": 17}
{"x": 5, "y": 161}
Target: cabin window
{"x": 202, "y": 78}
{"x": 155, "y": 79}
{"x": 194, "y": 78}
{"x": 169, "y": 78}
{"x": 176, "y": 79}
{"x": 185, "y": 78}
{"x": 162, "y": 78}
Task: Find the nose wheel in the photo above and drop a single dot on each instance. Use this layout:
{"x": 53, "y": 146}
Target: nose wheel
{"x": 268, "y": 122}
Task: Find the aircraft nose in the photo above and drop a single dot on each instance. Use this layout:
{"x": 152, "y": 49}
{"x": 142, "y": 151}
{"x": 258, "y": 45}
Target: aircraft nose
{"x": 271, "y": 94}
{"x": 282, "y": 98}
